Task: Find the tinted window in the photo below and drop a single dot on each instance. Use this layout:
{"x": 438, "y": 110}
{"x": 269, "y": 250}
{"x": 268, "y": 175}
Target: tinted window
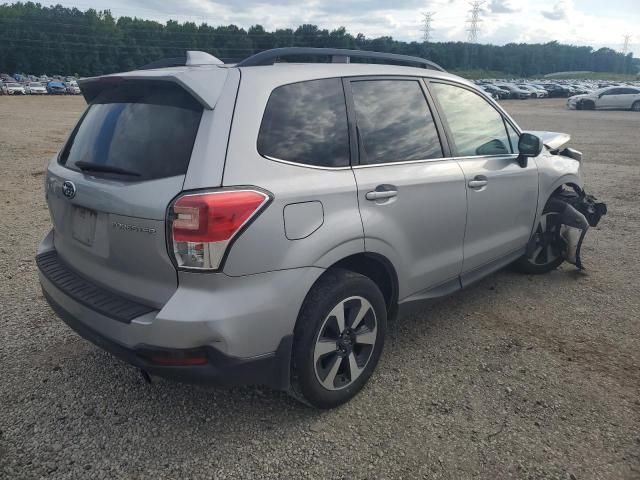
{"x": 477, "y": 127}
{"x": 394, "y": 122}
{"x": 306, "y": 123}
{"x": 628, "y": 91}
{"x": 148, "y": 129}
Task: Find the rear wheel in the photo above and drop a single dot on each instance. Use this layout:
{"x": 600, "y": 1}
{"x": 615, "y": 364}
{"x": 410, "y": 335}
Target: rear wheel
{"x": 636, "y": 106}
{"x": 546, "y": 255}
{"x": 338, "y": 339}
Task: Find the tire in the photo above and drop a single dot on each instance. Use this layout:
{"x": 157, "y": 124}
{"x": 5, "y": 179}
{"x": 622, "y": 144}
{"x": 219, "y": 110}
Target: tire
{"x": 579, "y": 105}
{"x": 547, "y": 255}
{"x": 588, "y": 105}
{"x": 636, "y": 106}
{"x": 329, "y": 367}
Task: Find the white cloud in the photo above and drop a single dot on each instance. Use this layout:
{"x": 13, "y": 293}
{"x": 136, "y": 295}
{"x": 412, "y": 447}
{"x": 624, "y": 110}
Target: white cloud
{"x": 501, "y": 6}
{"x": 560, "y": 11}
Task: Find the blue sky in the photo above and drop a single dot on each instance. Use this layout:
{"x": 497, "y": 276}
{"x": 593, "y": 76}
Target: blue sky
{"x": 581, "y": 22}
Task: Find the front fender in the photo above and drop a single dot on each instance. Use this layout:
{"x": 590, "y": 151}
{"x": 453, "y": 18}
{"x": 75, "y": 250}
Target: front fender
{"x": 553, "y": 172}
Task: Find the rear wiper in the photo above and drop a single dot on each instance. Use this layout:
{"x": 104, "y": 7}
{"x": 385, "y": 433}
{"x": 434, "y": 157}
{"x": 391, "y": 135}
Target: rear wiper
{"x": 99, "y": 167}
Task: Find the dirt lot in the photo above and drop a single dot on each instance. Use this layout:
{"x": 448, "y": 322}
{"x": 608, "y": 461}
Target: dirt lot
{"x": 518, "y": 377}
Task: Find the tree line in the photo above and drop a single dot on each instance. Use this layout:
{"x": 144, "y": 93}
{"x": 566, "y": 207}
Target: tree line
{"x": 60, "y": 40}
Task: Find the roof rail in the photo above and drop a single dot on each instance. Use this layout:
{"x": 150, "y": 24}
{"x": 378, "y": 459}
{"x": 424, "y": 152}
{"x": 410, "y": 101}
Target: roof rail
{"x": 191, "y": 57}
{"x": 338, "y": 55}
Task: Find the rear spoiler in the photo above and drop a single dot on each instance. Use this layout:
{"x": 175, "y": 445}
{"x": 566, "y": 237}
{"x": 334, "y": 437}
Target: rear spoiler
{"x": 204, "y": 82}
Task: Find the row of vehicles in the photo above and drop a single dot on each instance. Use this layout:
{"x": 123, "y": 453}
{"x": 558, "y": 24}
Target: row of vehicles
{"x": 521, "y": 89}
{"x": 31, "y": 85}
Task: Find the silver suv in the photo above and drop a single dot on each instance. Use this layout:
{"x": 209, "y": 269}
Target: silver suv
{"x": 260, "y": 223}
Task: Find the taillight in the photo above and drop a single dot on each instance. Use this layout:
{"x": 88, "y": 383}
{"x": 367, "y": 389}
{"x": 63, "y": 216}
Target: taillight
{"x": 204, "y": 224}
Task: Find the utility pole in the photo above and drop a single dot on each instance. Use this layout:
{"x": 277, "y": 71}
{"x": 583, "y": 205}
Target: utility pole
{"x": 427, "y": 18}
{"x": 627, "y": 41}
{"x": 474, "y": 20}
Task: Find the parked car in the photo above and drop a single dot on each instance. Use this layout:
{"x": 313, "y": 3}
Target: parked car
{"x": 619, "y": 98}
{"x": 556, "y": 90}
{"x": 496, "y": 92}
{"x": 515, "y": 91}
{"x": 580, "y": 89}
{"x": 274, "y": 251}
{"x": 3, "y": 88}
{"x": 56, "y": 88}
{"x": 35, "y": 88}
{"x": 14, "y": 88}
{"x": 535, "y": 92}
{"x": 72, "y": 88}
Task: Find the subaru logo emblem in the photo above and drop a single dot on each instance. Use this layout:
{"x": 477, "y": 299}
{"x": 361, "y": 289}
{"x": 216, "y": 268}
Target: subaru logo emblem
{"x": 69, "y": 189}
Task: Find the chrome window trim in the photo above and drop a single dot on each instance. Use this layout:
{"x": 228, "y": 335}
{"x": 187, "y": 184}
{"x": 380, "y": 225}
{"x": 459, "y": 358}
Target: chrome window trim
{"x": 431, "y": 160}
{"x": 304, "y": 165}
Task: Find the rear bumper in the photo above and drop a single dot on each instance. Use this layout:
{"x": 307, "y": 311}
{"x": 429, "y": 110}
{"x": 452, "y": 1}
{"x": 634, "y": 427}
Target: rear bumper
{"x": 220, "y": 369}
{"x": 244, "y": 324}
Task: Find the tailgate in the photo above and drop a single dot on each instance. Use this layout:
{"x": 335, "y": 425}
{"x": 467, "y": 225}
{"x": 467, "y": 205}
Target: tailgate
{"x": 109, "y": 189}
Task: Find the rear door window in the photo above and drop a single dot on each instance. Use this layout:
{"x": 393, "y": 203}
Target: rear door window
{"x": 306, "y": 123}
{"x": 394, "y": 122}
{"x": 143, "y": 127}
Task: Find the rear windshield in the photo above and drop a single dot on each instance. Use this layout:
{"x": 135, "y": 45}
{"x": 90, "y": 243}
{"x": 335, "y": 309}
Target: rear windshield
{"x": 144, "y": 128}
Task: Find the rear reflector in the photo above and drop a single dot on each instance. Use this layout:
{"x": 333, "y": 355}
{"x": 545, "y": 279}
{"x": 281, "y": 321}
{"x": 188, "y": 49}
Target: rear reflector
{"x": 204, "y": 224}
{"x": 177, "y": 358}
{"x": 179, "y": 362}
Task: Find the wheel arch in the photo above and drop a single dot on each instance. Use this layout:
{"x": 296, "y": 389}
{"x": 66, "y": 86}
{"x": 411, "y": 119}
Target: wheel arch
{"x": 376, "y": 267}
{"x": 572, "y": 181}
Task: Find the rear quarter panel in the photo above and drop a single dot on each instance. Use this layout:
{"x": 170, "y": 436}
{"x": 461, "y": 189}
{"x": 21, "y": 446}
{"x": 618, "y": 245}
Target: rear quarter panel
{"x": 264, "y": 246}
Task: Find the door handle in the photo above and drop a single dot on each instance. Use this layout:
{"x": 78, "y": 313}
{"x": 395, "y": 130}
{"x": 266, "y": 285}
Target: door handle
{"x": 478, "y": 181}
{"x": 381, "y": 192}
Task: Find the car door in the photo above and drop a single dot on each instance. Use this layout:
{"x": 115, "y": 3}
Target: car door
{"x": 608, "y": 99}
{"x": 411, "y": 194}
{"x": 502, "y": 196}
{"x": 625, "y": 98}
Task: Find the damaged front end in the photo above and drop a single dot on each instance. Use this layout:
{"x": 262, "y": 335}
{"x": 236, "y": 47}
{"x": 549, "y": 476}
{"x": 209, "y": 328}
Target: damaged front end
{"x": 575, "y": 211}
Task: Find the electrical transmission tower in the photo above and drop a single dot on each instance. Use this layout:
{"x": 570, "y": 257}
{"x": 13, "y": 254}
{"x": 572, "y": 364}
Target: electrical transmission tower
{"x": 627, "y": 41}
{"x": 474, "y": 21}
{"x": 427, "y": 18}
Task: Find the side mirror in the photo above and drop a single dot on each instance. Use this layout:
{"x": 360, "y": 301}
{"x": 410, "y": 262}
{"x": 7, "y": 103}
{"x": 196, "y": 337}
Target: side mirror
{"x": 528, "y": 146}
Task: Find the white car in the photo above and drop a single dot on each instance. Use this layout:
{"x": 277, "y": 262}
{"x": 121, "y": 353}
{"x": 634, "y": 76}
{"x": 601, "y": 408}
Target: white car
{"x": 619, "y": 98}
{"x": 72, "y": 88}
{"x": 537, "y": 92}
{"x": 15, "y": 89}
{"x": 35, "y": 88}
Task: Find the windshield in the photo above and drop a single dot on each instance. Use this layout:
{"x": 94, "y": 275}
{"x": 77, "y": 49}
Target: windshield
{"x": 143, "y": 128}
{"x": 13, "y": 84}
{"x": 35, "y": 84}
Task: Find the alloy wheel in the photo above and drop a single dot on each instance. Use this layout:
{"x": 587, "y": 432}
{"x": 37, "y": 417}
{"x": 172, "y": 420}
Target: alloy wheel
{"x": 548, "y": 245}
{"x": 344, "y": 343}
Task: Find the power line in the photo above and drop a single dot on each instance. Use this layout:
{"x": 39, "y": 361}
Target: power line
{"x": 627, "y": 41}
{"x": 474, "y": 20}
{"x": 427, "y": 18}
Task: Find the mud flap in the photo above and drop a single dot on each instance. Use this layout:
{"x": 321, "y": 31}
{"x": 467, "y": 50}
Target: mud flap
{"x": 577, "y": 212}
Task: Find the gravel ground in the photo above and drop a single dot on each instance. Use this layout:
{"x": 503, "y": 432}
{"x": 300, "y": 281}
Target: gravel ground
{"x": 518, "y": 377}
